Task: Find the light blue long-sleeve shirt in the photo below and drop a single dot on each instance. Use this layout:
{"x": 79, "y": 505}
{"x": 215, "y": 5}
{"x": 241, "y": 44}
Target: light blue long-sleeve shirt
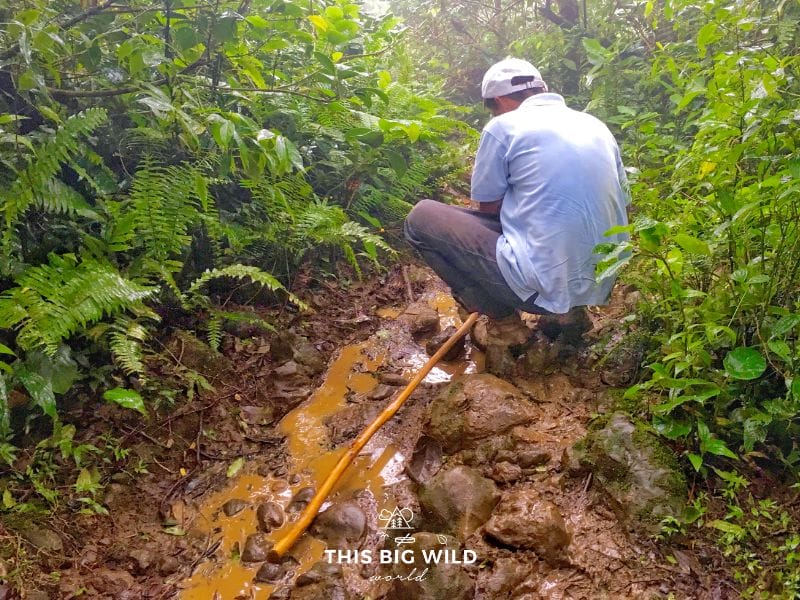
{"x": 561, "y": 179}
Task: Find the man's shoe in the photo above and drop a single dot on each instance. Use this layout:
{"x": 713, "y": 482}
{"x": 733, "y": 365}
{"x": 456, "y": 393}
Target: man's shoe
{"x": 508, "y": 331}
{"x": 569, "y": 326}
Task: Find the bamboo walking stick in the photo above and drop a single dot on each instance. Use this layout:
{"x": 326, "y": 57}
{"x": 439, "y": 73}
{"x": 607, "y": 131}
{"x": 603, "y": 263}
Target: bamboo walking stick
{"x": 310, "y": 511}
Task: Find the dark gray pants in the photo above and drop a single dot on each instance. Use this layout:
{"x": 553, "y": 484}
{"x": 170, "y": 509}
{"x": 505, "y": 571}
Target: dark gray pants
{"x": 459, "y": 244}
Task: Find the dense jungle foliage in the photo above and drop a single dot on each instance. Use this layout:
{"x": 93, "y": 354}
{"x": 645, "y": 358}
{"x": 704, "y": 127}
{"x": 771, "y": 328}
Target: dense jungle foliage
{"x": 149, "y": 149}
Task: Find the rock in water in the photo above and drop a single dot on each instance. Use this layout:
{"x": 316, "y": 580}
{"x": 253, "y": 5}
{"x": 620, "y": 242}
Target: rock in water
{"x": 437, "y": 341}
{"x": 431, "y": 581}
{"x": 458, "y": 500}
{"x": 234, "y": 507}
{"x": 475, "y": 407}
{"x": 342, "y": 525}
{"x": 640, "y": 473}
{"x": 256, "y": 548}
{"x": 420, "y": 318}
{"x": 523, "y": 519}
{"x": 270, "y": 516}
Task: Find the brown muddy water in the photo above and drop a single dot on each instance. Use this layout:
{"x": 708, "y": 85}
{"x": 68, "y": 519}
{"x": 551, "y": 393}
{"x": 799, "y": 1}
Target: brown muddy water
{"x": 312, "y": 456}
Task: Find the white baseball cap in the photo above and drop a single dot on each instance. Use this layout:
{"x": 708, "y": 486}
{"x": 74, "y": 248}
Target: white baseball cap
{"x": 511, "y": 75}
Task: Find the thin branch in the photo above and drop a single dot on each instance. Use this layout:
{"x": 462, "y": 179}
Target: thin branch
{"x": 66, "y": 25}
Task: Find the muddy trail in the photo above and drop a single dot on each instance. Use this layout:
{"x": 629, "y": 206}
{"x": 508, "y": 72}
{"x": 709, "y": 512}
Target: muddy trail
{"x": 507, "y": 474}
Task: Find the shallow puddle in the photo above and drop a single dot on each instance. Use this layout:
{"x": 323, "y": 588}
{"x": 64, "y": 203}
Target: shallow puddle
{"x": 311, "y": 458}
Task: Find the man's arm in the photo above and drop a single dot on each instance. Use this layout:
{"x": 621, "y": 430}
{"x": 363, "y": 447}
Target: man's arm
{"x": 489, "y": 208}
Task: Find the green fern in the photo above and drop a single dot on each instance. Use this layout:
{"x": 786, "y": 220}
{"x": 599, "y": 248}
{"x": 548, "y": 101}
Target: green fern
{"x": 52, "y": 302}
{"x": 194, "y": 296}
{"x": 327, "y": 224}
{"x": 166, "y": 204}
{"x": 214, "y": 330}
{"x": 36, "y": 183}
{"x": 125, "y": 341}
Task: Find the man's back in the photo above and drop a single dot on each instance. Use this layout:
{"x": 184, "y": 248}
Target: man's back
{"x": 559, "y": 174}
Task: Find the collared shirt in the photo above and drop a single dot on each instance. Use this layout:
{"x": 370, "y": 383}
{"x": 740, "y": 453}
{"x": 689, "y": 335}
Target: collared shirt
{"x": 561, "y": 179}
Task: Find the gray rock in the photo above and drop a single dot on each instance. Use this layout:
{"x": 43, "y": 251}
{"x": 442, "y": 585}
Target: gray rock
{"x": 234, "y": 506}
{"x": 270, "y": 573}
{"x": 270, "y": 516}
{"x": 640, "y": 473}
{"x": 381, "y": 392}
{"x": 438, "y": 340}
{"x": 431, "y": 581}
{"x": 458, "y": 500}
{"x": 287, "y": 369}
{"x": 504, "y": 576}
{"x": 306, "y": 354}
{"x": 524, "y": 520}
{"x": 320, "y": 572}
{"x": 43, "y": 539}
{"x": 425, "y": 461}
{"x": 529, "y": 459}
{"x": 475, "y": 407}
{"x": 300, "y": 499}
{"x": 256, "y": 548}
{"x": 504, "y": 472}
{"x": 342, "y": 525}
{"x": 420, "y": 318}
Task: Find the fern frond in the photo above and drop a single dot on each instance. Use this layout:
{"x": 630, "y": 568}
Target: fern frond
{"x": 241, "y": 272}
{"x": 125, "y": 342}
{"x": 35, "y": 182}
{"x": 165, "y": 203}
{"x": 56, "y": 300}
{"x": 214, "y": 331}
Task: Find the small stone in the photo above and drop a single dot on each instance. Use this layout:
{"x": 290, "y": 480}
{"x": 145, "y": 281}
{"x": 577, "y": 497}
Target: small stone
{"x": 256, "y": 415}
{"x": 5, "y": 592}
{"x": 341, "y": 524}
{"x": 459, "y": 500}
{"x": 43, "y": 539}
{"x": 294, "y": 479}
{"x": 381, "y": 392}
{"x": 142, "y": 557}
{"x": 300, "y": 499}
{"x": 528, "y": 459}
{"x": 439, "y": 340}
{"x": 524, "y": 520}
{"x": 504, "y": 472}
{"x": 393, "y": 379}
{"x": 270, "y": 573}
{"x": 168, "y": 565}
{"x": 287, "y": 369}
{"x": 319, "y": 572}
{"x": 281, "y": 593}
{"x": 270, "y": 516}
{"x": 426, "y": 460}
{"x": 420, "y": 318}
{"x": 234, "y": 507}
{"x": 256, "y": 548}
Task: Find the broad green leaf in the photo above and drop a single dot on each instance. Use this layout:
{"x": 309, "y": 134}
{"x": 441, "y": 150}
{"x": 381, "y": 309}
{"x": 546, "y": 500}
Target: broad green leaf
{"x": 320, "y": 22}
{"x": 670, "y": 428}
{"x": 696, "y": 460}
{"x": 745, "y": 363}
{"x": 6, "y": 350}
{"x": 40, "y": 390}
{"x": 784, "y": 325}
{"x": 235, "y": 467}
{"x": 692, "y": 244}
{"x": 126, "y": 398}
{"x": 718, "y": 447}
{"x": 727, "y": 527}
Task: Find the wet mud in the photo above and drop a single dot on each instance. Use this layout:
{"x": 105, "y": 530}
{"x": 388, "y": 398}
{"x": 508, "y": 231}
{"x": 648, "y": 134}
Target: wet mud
{"x": 574, "y": 546}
